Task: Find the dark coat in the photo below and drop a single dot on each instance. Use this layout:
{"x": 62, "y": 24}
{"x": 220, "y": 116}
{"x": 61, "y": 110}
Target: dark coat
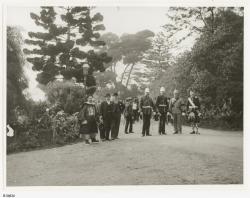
{"x": 89, "y": 114}
{"x": 147, "y": 105}
{"x": 196, "y": 102}
{"x": 128, "y": 111}
{"x": 162, "y": 104}
{"x": 117, "y": 109}
{"x": 193, "y": 113}
{"x": 106, "y": 110}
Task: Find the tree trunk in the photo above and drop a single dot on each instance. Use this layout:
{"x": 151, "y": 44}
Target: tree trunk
{"x": 114, "y": 67}
{"x": 129, "y": 74}
{"x": 68, "y": 25}
{"x": 123, "y": 74}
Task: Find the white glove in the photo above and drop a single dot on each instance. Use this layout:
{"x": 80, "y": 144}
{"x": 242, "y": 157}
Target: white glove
{"x": 84, "y": 122}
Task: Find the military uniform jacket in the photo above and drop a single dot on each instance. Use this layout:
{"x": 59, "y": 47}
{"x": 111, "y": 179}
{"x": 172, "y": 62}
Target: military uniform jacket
{"x": 176, "y": 105}
{"x": 162, "y": 104}
{"x": 146, "y": 105}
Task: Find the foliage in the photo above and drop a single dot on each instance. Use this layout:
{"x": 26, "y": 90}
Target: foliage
{"x": 44, "y": 126}
{"x": 66, "y": 127}
{"x": 112, "y": 48}
{"x": 123, "y": 91}
{"x": 158, "y": 58}
{"x": 59, "y": 48}
{"x": 194, "y": 21}
{"x": 66, "y": 96}
{"x": 16, "y": 80}
{"x": 133, "y": 46}
{"x": 214, "y": 66}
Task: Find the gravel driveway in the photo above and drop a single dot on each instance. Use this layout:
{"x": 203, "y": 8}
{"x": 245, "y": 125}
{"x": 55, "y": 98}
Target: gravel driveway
{"x": 214, "y": 157}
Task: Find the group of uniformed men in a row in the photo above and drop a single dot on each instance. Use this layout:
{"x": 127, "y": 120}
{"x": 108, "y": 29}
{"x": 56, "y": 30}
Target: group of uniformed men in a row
{"x": 109, "y": 113}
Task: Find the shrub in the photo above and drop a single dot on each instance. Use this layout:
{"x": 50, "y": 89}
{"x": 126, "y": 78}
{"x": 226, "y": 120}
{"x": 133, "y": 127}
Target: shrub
{"x": 65, "y": 127}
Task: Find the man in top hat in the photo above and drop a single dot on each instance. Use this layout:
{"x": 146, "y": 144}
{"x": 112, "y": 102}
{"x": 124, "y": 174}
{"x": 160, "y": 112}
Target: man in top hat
{"x": 106, "y": 115}
{"x": 162, "y": 109}
{"x": 147, "y": 108}
{"x": 117, "y": 109}
{"x": 176, "y": 107}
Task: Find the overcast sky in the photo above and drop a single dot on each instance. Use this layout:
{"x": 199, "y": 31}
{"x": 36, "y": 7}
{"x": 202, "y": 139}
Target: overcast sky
{"x": 118, "y": 20}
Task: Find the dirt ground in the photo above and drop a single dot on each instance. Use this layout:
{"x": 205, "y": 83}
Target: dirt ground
{"x": 214, "y": 157}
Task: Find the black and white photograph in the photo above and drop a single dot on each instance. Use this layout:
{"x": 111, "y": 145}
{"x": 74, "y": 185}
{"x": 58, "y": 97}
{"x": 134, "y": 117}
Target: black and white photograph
{"x": 124, "y": 95}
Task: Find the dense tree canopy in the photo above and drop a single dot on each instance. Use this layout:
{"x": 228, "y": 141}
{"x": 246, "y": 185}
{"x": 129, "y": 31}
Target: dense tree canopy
{"x": 16, "y": 80}
{"x": 214, "y": 66}
{"x": 64, "y": 48}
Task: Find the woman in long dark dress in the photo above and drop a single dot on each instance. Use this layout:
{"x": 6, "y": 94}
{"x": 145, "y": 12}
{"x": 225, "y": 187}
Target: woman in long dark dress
{"x": 88, "y": 121}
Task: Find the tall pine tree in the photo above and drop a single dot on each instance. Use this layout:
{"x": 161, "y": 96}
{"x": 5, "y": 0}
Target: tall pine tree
{"x": 158, "y": 58}
{"x": 69, "y": 39}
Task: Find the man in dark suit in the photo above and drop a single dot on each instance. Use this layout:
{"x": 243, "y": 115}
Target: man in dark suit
{"x": 106, "y": 115}
{"x": 117, "y": 109}
{"x": 128, "y": 115}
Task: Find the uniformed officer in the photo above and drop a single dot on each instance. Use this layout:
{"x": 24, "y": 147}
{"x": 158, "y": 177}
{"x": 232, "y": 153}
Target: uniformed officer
{"x": 193, "y": 109}
{"x": 147, "y": 108}
{"x": 162, "y": 109}
{"x": 117, "y": 109}
{"x": 176, "y": 107}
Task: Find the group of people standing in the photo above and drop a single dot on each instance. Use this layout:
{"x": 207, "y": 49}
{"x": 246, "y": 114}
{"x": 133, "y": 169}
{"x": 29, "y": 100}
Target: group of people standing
{"x": 106, "y": 116}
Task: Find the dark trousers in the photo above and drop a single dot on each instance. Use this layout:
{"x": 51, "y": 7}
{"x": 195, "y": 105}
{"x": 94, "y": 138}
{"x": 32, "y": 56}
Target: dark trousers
{"x": 135, "y": 115}
{"x": 146, "y": 124}
{"x": 129, "y": 122}
{"x": 115, "y": 126}
{"x": 102, "y": 131}
{"x": 107, "y": 127}
{"x": 162, "y": 124}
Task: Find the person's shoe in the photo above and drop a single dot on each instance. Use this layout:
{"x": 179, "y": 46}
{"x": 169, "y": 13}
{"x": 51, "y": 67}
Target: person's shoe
{"x": 143, "y": 135}
{"x": 87, "y": 142}
{"x": 131, "y": 132}
{"x": 148, "y": 135}
{"x": 95, "y": 140}
{"x": 192, "y": 132}
{"x": 175, "y": 132}
{"x": 103, "y": 140}
{"x": 112, "y": 139}
{"x": 126, "y": 132}
{"x": 164, "y": 134}
{"x": 117, "y": 138}
{"x": 197, "y": 133}
{"x": 107, "y": 139}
